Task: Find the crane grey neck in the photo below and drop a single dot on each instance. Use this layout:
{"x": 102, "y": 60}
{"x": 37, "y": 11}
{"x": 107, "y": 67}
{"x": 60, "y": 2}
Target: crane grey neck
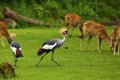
{"x": 64, "y": 38}
{"x": 12, "y": 39}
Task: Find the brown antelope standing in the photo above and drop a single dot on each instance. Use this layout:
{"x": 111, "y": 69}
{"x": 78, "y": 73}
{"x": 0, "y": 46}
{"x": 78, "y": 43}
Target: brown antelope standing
{"x": 3, "y": 31}
{"x": 91, "y": 29}
{"x": 73, "y": 20}
{"x": 115, "y": 38}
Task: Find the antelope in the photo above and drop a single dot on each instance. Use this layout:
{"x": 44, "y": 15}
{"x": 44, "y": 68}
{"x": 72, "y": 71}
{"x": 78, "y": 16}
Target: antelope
{"x": 115, "y": 38}
{"x": 91, "y": 29}
{"x": 73, "y": 20}
{"x": 3, "y": 31}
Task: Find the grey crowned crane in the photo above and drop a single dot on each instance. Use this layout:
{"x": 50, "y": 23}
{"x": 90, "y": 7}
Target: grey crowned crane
{"x": 16, "y": 48}
{"x": 51, "y": 45}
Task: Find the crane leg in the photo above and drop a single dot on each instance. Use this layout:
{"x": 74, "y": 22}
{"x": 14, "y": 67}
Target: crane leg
{"x": 54, "y": 60}
{"x": 15, "y": 60}
{"x": 40, "y": 60}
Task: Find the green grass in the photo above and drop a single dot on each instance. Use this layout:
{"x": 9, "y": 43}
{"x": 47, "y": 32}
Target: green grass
{"x": 76, "y": 64}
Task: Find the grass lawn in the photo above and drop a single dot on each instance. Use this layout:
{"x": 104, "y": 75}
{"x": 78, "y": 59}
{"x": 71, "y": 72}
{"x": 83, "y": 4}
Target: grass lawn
{"x": 76, "y": 64}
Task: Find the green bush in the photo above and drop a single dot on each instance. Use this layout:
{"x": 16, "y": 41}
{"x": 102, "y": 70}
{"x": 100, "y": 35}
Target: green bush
{"x": 56, "y": 9}
{"x": 51, "y": 9}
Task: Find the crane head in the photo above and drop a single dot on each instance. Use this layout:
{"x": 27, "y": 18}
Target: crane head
{"x": 12, "y": 35}
{"x": 63, "y": 31}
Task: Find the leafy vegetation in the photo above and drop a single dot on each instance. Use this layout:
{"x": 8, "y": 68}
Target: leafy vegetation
{"x": 76, "y": 64}
{"x": 55, "y": 10}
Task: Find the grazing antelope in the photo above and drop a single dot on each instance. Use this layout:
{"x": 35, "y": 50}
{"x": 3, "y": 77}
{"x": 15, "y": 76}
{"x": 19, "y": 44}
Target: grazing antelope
{"x": 3, "y": 31}
{"x": 73, "y": 20}
{"x": 115, "y": 38}
{"x": 91, "y": 29}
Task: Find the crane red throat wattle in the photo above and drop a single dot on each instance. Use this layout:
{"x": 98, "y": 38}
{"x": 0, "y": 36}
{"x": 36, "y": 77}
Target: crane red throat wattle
{"x": 18, "y": 53}
{"x": 65, "y": 32}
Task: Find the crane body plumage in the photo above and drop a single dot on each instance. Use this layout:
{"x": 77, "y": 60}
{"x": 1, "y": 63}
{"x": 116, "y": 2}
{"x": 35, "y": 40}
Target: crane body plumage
{"x": 51, "y": 45}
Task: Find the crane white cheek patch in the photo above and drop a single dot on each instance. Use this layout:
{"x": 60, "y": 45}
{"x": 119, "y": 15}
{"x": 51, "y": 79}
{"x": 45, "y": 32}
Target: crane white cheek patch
{"x": 47, "y": 47}
{"x": 13, "y": 50}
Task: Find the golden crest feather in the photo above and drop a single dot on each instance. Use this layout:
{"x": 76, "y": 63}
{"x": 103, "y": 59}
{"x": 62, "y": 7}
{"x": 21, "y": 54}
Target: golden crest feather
{"x": 12, "y": 35}
{"x": 63, "y": 30}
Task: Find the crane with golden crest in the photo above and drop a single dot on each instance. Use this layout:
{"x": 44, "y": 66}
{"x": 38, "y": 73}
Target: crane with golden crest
{"x": 51, "y": 45}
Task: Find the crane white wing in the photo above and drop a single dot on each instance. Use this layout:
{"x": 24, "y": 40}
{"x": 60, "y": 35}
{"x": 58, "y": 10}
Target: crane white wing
{"x": 47, "y": 46}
